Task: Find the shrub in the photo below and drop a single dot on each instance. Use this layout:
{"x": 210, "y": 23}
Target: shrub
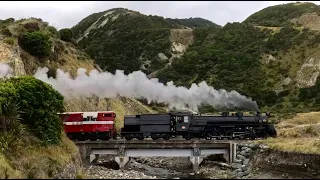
{"x": 32, "y": 27}
{"x": 36, "y": 43}
{"x": 52, "y": 30}
{"x": 39, "y": 104}
{"x": 9, "y": 41}
{"x": 66, "y": 34}
{"x": 6, "y": 32}
{"x": 9, "y": 20}
{"x": 7, "y": 94}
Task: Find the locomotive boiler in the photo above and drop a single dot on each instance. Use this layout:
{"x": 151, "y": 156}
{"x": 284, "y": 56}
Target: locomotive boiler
{"x": 188, "y": 126}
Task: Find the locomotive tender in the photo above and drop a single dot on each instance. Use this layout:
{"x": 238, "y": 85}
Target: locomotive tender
{"x": 188, "y": 125}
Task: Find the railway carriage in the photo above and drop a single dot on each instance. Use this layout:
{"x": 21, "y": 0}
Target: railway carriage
{"x": 89, "y": 125}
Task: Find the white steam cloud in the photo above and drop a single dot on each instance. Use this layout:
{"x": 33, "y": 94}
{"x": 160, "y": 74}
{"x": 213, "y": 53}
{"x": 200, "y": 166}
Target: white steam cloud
{"x": 5, "y": 70}
{"x": 137, "y": 85}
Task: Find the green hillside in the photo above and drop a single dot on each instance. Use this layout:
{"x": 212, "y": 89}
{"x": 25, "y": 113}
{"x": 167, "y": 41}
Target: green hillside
{"x": 280, "y": 15}
{"x": 127, "y": 40}
{"x": 272, "y": 56}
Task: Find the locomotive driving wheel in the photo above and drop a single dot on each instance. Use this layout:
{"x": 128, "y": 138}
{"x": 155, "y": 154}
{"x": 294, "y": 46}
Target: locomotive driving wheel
{"x": 253, "y": 135}
{"x": 166, "y": 137}
{"x": 187, "y": 136}
{"x": 154, "y": 137}
{"x": 128, "y": 137}
{"x": 140, "y": 137}
{"x": 208, "y": 134}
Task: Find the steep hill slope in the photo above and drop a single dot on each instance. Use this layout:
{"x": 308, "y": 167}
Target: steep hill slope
{"x": 130, "y": 41}
{"x": 64, "y": 55}
{"x": 277, "y": 66}
{"x": 272, "y": 56}
{"x": 286, "y": 15}
{"x": 22, "y": 155}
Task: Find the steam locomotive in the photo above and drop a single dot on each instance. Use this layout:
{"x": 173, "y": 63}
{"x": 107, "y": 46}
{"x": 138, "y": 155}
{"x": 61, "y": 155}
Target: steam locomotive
{"x": 188, "y": 125}
{"x": 101, "y": 125}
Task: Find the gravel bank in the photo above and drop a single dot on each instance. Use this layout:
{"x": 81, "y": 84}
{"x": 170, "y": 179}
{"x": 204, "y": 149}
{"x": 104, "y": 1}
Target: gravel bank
{"x": 100, "y": 172}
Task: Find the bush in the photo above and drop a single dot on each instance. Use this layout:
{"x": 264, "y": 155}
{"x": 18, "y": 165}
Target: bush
{"x": 6, "y": 32}
{"x": 39, "y": 104}
{"x": 32, "y": 27}
{"x": 52, "y": 30}
{"x": 9, "y": 20}
{"x": 7, "y": 94}
{"x": 36, "y": 43}
{"x": 9, "y": 41}
{"x": 66, "y": 34}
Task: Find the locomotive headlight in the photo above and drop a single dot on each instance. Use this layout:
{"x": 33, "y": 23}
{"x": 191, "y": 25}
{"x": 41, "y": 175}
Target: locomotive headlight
{"x": 264, "y": 120}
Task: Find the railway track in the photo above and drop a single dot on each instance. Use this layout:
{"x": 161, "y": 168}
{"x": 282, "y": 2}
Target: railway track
{"x": 149, "y": 140}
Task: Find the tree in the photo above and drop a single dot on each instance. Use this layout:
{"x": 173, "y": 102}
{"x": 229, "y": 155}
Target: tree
{"x": 40, "y": 104}
{"x": 36, "y": 43}
{"x": 66, "y": 34}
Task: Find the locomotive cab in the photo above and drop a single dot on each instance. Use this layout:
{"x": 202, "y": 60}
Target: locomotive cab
{"x": 239, "y": 115}
{"x": 225, "y": 114}
{"x": 180, "y": 122}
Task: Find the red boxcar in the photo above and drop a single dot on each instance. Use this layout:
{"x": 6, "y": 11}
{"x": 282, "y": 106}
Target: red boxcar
{"x": 89, "y": 125}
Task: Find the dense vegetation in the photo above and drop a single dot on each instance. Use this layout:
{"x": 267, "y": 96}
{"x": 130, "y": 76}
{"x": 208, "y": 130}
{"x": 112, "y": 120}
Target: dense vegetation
{"x": 129, "y": 41}
{"x": 38, "y": 104}
{"x": 65, "y": 34}
{"x": 234, "y": 57}
{"x": 193, "y": 22}
{"x": 36, "y": 43}
{"x": 234, "y": 62}
{"x": 280, "y": 15}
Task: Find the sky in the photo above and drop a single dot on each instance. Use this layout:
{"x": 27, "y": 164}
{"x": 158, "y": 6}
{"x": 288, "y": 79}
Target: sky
{"x": 65, "y": 14}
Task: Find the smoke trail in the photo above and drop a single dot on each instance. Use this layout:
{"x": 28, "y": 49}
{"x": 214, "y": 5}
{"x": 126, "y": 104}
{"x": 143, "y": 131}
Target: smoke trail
{"x": 5, "y": 70}
{"x": 137, "y": 85}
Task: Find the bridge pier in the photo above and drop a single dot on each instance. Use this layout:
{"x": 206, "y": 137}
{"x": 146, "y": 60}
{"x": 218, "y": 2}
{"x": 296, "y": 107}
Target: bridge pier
{"x": 196, "y": 161}
{"x": 85, "y": 154}
{"x": 94, "y": 158}
{"x": 122, "y": 161}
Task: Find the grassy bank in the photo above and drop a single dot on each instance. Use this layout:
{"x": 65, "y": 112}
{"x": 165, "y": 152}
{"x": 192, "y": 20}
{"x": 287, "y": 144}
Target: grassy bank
{"x": 300, "y": 133}
{"x": 23, "y": 156}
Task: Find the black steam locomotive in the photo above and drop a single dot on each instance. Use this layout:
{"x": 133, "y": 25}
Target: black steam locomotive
{"x": 188, "y": 125}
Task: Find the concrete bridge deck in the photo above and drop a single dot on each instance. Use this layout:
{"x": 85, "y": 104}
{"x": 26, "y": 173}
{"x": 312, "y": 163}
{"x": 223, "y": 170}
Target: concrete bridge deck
{"x": 196, "y": 150}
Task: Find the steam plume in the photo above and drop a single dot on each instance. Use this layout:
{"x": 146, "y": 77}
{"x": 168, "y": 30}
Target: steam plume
{"x": 137, "y": 85}
{"x": 5, "y": 70}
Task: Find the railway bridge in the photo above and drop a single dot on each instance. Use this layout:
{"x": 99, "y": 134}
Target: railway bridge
{"x": 196, "y": 150}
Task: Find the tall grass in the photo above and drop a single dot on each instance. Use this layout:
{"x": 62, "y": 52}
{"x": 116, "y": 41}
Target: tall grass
{"x": 300, "y": 133}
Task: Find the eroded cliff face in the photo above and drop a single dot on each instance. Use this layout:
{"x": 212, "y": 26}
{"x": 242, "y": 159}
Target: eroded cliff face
{"x": 10, "y": 54}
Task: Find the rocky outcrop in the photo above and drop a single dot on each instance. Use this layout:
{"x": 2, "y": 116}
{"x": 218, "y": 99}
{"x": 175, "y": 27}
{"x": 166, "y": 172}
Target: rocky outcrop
{"x": 241, "y": 166}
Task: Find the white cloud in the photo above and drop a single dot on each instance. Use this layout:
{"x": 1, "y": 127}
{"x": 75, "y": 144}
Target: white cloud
{"x": 64, "y": 14}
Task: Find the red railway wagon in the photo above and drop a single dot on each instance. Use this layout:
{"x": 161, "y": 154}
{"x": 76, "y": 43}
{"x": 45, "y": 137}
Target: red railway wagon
{"x": 89, "y": 125}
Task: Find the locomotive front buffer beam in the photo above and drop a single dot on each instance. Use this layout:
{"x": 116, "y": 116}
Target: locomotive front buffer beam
{"x": 196, "y": 151}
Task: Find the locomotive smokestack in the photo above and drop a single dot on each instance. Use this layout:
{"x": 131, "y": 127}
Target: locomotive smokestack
{"x": 137, "y": 85}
